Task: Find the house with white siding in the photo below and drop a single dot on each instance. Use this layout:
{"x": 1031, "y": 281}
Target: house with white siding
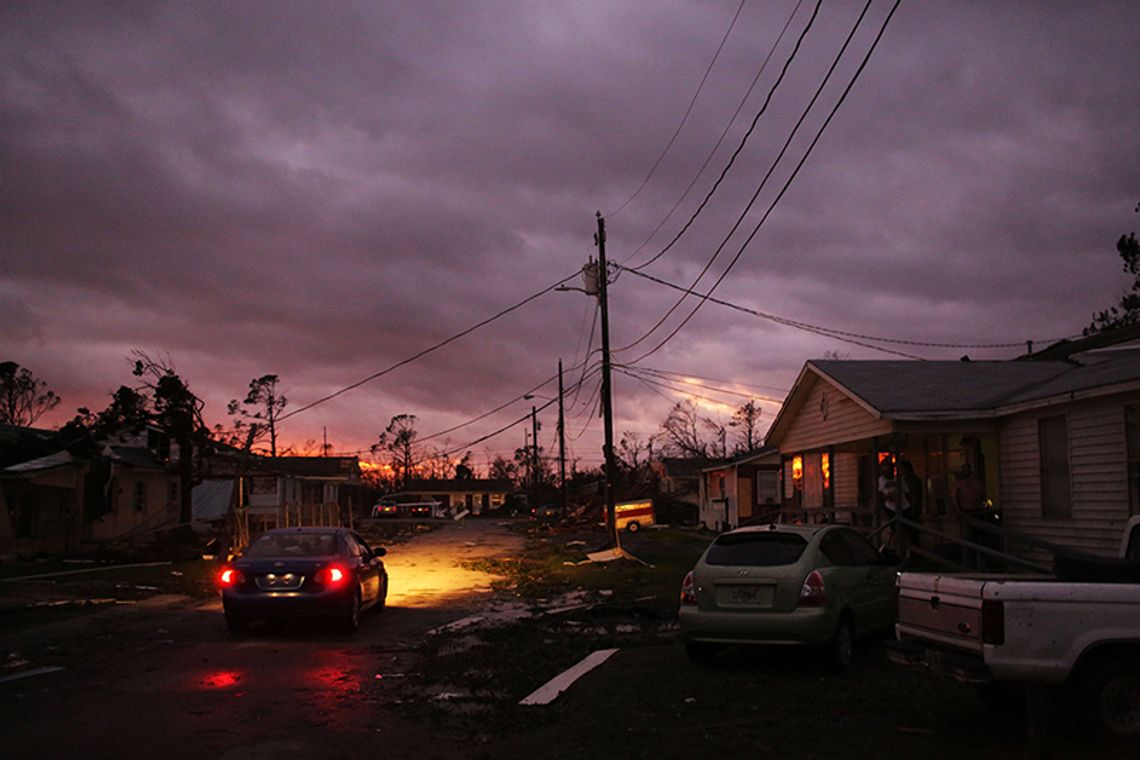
{"x": 1056, "y": 441}
{"x": 476, "y": 495}
{"x": 740, "y": 490}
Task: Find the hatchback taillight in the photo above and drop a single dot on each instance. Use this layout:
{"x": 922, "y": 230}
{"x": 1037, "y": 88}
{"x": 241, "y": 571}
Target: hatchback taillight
{"x": 812, "y": 593}
{"x": 228, "y": 577}
{"x": 333, "y": 575}
{"x": 688, "y": 590}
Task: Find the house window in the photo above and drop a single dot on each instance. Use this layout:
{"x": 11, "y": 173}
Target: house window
{"x": 1132, "y": 438}
{"x": 813, "y": 481}
{"x": 140, "y": 495}
{"x": 1053, "y": 442}
{"x": 767, "y": 487}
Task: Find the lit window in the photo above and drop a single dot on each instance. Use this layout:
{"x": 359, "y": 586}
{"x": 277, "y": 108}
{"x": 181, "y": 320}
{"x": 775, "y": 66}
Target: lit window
{"x": 825, "y": 468}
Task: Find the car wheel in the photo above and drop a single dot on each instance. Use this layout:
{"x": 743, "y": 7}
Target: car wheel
{"x": 700, "y": 652}
{"x": 236, "y": 623}
{"x": 1111, "y": 697}
{"x": 351, "y": 620}
{"x": 633, "y": 527}
{"x": 842, "y": 647}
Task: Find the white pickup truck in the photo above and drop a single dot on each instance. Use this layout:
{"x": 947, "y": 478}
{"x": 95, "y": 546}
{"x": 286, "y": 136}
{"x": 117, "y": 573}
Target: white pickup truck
{"x": 1075, "y": 632}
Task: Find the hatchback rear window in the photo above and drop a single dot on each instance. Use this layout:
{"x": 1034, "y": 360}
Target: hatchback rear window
{"x": 756, "y": 549}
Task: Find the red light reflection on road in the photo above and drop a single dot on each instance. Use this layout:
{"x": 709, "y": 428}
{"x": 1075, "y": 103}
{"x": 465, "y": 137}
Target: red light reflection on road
{"x": 334, "y": 688}
{"x": 222, "y": 679}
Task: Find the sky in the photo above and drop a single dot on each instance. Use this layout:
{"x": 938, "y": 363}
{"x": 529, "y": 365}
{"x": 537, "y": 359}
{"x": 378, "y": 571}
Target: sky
{"x": 375, "y": 201}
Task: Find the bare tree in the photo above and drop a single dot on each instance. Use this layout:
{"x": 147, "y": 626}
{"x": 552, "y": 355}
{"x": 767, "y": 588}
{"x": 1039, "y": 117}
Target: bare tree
{"x": 24, "y": 398}
{"x": 1127, "y": 312}
{"x": 464, "y": 469}
{"x": 681, "y": 432}
{"x": 178, "y": 412}
{"x": 746, "y": 420}
{"x": 263, "y": 404}
{"x": 502, "y": 468}
{"x": 719, "y": 443}
{"x": 635, "y": 458}
{"x": 398, "y": 439}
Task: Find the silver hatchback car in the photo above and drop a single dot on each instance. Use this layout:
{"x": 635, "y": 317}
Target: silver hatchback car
{"x": 820, "y": 586}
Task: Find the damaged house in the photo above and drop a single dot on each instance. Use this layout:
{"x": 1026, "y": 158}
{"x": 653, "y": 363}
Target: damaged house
{"x": 55, "y": 498}
{"x": 278, "y": 491}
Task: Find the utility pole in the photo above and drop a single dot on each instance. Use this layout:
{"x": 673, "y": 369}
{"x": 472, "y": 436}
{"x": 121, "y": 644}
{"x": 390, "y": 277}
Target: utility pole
{"x": 561, "y": 443}
{"x": 607, "y": 397}
{"x": 534, "y": 440}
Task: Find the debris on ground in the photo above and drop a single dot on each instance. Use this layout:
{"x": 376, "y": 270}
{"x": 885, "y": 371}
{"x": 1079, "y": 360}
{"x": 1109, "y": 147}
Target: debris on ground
{"x": 550, "y": 691}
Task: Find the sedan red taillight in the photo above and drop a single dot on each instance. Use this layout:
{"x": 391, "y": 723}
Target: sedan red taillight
{"x": 333, "y": 575}
{"x": 688, "y": 590}
{"x": 813, "y": 593}
{"x": 228, "y": 577}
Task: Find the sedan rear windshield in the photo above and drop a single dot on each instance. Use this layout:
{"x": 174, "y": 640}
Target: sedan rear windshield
{"x": 293, "y": 545}
{"x": 756, "y": 549}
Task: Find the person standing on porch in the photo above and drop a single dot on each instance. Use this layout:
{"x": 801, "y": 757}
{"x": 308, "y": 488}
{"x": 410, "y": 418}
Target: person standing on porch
{"x": 910, "y": 498}
{"x": 888, "y": 496}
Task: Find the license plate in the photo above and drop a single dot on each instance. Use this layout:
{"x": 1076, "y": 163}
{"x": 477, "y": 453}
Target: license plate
{"x": 745, "y": 595}
{"x": 279, "y": 582}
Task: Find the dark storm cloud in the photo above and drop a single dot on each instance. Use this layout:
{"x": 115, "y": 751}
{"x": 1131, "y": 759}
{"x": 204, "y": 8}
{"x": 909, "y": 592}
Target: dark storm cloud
{"x": 323, "y": 190}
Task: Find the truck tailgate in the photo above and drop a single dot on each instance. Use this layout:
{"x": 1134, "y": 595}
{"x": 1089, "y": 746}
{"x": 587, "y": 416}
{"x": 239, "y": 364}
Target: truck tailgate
{"x": 942, "y": 609}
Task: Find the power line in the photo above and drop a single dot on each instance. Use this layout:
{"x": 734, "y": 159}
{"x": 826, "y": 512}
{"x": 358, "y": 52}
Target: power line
{"x": 685, "y": 385}
{"x": 787, "y": 184}
{"x": 743, "y": 140}
{"x": 684, "y": 118}
{"x": 688, "y": 375}
{"x": 503, "y": 429}
{"x": 689, "y": 392}
{"x": 752, "y": 201}
{"x": 426, "y": 351}
{"x": 831, "y": 332}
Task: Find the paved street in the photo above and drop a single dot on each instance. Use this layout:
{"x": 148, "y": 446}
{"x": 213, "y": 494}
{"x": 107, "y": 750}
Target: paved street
{"x": 164, "y": 679}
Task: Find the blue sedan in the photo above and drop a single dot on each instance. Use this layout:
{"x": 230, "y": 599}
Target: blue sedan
{"x": 300, "y": 572}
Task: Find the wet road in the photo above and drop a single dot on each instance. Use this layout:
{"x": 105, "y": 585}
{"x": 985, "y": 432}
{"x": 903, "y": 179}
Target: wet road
{"x": 165, "y": 680}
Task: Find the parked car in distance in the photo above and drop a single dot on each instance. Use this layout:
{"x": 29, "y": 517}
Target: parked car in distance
{"x": 546, "y": 513}
{"x": 385, "y": 508}
{"x": 819, "y": 586}
{"x": 299, "y": 572}
{"x": 422, "y": 508}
